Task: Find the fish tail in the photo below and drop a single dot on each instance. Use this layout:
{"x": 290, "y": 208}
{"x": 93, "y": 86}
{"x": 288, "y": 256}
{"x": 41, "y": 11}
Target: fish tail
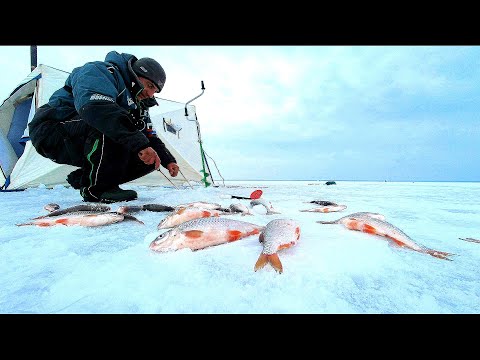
{"x": 327, "y": 222}
{"x": 439, "y": 254}
{"x": 273, "y": 259}
{"x": 261, "y": 262}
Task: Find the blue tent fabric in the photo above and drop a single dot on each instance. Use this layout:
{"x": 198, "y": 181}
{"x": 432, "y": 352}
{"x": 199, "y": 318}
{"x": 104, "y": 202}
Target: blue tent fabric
{"x": 18, "y": 125}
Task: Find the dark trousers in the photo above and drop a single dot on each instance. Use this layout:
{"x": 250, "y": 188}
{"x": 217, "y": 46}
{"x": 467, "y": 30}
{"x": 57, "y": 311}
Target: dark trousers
{"x": 103, "y": 162}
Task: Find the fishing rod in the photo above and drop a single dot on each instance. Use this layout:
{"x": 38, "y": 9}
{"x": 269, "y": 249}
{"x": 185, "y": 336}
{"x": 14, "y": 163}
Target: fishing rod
{"x": 170, "y": 181}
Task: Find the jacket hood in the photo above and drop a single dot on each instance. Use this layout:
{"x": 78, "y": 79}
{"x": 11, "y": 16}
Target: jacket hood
{"x": 123, "y": 62}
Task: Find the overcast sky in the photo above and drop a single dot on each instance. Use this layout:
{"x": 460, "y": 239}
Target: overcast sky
{"x": 396, "y": 113}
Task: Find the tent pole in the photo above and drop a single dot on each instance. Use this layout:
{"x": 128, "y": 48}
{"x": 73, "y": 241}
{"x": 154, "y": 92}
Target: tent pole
{"x": 33, "y": 57}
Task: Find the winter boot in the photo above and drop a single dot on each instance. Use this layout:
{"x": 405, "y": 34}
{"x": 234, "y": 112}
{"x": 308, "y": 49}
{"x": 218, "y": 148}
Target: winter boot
{"x": 74, "y": 178}
{"x": 114, "y": 194}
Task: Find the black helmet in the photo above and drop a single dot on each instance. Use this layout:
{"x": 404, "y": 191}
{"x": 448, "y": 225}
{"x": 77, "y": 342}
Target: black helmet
{"x": 151, "y": 70}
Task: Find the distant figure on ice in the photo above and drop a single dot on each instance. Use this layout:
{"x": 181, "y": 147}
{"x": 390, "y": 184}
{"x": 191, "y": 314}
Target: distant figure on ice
{"x": 99, "y": 122}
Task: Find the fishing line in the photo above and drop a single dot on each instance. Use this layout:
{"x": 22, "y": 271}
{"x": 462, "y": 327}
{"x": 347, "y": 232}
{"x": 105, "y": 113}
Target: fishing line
{"x": 185, "y": 178}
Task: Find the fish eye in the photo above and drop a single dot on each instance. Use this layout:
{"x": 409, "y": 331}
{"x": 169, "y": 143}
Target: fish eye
{"x": 161, "y": 236}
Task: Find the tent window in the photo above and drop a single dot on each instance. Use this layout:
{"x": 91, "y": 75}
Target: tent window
{"x": 169, "y": 126}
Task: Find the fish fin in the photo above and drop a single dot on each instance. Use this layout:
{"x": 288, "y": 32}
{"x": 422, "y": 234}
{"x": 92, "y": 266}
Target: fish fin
{"x": 274, "y": 260}
{"x": 39, "y": 217}
{"x": 370, "y": 229}
{"x": 261, "y": 262}
{"x": 396, "y": 241}
{"x": 206, "y": 213}
{"x": 286, "y": 246}
{"x": 132, "y": 218}
{"x": 253, "y": 232}
{"x": 62, "y": 221}
{"x": 234, "y": 235}
{"x": 193, "y": 233}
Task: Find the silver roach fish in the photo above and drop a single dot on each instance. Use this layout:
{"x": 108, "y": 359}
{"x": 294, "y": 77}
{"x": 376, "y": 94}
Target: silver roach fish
{"x": 357, "y": 215}
{"x": 240, "y": 208}
{"x": 182, "y": 215}
{"x": 81, "y": 218}
{"x": 200, "y": 204}
{"x": 56, "y": 211}
{"x": 372, "y": 225}
{"x": 266, "y": 204}
{"x": 278, "y": 234}
{"x": 204, "y": 232}
{"x": 87, "y": 218}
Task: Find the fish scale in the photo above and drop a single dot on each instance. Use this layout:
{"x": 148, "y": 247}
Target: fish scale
{"x": 277, "y": 233}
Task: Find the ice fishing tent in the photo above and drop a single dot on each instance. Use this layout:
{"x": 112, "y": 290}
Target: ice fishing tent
{"x": 22, "y": 167}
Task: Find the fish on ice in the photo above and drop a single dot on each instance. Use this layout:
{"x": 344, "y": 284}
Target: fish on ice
{"x": 200, "y": 233}
{"x": 200, "y": 204}
{"x": 240, "y": 208}
{"x": 357, "y": 214}
{"x": 146, "y": 207}
{"x": 375, "y": 226}
{"x": 266, "y": 204}
{"x": 51, "y": 207}
{"x": 470, "y": 240}
{"x": 81, "y": 218}
{"x": 320, "y": 202}
{"x": 90, "y": 208}
{"x": 182, "y": 215}
{"x": 327, "y": 208}
{"x": 278, "y": 234}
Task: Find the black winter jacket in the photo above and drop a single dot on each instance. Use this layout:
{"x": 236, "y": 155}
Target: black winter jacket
{"x": 104, "y": 93}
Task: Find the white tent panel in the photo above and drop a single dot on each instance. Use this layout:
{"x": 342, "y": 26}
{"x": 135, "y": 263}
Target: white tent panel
{"x": 52, "y": 79}
{"x": 33, "y": 170}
